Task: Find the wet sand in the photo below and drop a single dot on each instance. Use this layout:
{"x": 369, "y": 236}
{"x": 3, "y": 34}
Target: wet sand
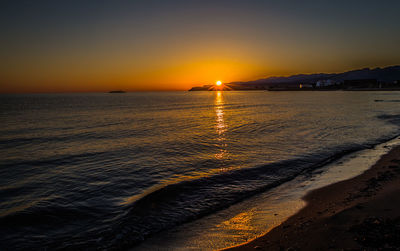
{"x": 359, "y": 213}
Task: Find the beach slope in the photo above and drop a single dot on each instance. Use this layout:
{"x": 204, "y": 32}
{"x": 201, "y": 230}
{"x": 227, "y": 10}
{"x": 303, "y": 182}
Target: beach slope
{"x": 359, "y": 213}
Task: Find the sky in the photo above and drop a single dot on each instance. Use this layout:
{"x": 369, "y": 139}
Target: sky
{"x": 149, "y": 45}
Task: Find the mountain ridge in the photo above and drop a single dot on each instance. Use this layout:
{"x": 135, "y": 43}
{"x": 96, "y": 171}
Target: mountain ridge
{"x": 388, "y": 74}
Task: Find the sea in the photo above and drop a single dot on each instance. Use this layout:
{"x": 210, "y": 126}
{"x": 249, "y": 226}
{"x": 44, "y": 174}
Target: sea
{"x": 154, "y": 170}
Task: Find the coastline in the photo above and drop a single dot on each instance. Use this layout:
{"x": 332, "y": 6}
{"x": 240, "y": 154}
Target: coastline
{"x": 361, "y": 212}
{"x": 252, "y": 218}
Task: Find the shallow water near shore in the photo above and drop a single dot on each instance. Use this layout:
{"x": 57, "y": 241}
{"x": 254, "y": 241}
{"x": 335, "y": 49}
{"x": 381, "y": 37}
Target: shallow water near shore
{"x": 115, "y": 169}
{"x": 256, "y": 216}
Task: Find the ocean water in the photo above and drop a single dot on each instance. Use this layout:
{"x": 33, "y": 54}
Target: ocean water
{"x": 262, "y": 212}
{"x": 106, "y": 171}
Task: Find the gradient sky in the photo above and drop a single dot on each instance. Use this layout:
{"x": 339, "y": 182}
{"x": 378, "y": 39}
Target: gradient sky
{"x": 71, "y": 46}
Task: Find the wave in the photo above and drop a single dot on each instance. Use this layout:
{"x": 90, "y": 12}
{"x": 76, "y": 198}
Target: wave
{"x": 57, "y": 160}
{"x": 225, "y": 106}
{"x": 394, "y": 119}
{"x": 45, "y": 215}
{"x": 172, "y": 204}
{"x": 175, "y": 204}
{"x": 168, "y": 206}
{"x": 73, "y": 137}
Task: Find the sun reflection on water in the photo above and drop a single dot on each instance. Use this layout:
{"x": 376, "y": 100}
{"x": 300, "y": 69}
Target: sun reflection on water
{"x": 220, "y": 125}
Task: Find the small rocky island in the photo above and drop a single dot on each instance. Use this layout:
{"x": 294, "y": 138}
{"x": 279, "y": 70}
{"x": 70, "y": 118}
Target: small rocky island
{"x": 118, "y": 91}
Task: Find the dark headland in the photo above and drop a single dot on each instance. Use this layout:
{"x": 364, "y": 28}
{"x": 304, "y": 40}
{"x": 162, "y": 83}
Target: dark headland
{"x": 387, "y": 78}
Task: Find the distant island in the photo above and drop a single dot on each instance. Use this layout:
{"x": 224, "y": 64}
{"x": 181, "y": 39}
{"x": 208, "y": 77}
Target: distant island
{"x": 387, "y": 78}
{"x": 119, "y": 91}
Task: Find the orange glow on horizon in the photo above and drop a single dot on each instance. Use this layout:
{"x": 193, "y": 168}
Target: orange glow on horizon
{"x": 163, "y": 76}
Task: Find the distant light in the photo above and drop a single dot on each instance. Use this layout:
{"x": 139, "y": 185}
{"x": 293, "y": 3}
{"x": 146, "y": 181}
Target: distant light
{"x": 218, "y": 83}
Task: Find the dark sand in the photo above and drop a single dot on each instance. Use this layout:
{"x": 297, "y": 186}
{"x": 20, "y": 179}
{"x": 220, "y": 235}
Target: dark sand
{"x": 362, "y": 213}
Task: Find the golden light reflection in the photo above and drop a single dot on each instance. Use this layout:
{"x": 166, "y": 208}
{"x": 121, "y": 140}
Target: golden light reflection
{"x": 241, "y": 222}
{"x": 220, "y": 125}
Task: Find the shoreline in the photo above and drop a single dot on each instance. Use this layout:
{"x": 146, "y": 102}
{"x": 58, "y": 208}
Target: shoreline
{"x": 254, "y": 217}
{"x": 361, "y": 212}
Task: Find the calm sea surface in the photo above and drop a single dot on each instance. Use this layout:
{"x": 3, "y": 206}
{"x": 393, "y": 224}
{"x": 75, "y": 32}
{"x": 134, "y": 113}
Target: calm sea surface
{"x": 105, "y": 171}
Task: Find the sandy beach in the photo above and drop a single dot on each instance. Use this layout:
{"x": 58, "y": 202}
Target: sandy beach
{"x": 359, "y": 213}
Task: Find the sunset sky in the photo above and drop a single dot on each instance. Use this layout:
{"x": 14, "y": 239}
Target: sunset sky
{"x": 73, "y": 46}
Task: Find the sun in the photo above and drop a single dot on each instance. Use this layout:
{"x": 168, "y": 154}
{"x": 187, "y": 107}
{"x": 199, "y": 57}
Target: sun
{"x": 218, "y": 83}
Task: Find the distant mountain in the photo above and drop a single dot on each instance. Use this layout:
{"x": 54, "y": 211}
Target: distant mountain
{"x": 386, "y": 75}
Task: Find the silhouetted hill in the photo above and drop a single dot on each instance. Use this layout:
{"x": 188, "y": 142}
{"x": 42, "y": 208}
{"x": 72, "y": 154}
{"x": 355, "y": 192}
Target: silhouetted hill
{"x": 386, "y": 75}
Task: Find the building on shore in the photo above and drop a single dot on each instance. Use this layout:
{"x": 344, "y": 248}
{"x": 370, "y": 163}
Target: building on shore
{"x": 325, "y": 82}
{"x": 302, "y": 86}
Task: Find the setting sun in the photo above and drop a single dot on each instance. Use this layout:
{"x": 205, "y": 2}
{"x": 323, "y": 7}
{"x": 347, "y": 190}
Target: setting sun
{"x": 218, "y": 83}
